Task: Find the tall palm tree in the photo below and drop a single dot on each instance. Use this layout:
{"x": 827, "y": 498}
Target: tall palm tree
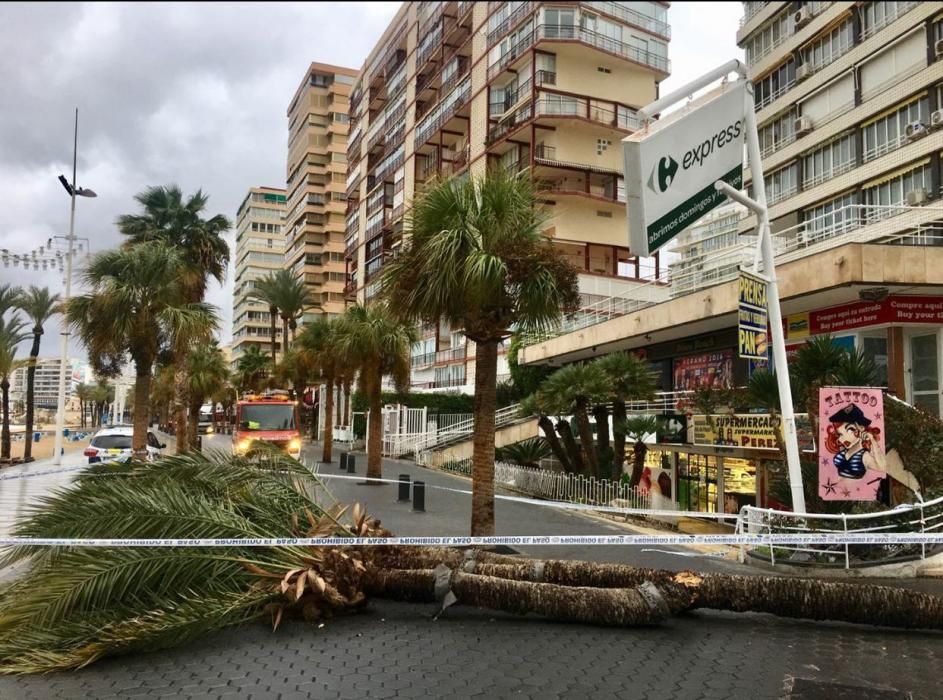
{"x": 81, "y": 393}
{"x": 475, "y": 256}
{"x": 171, "y": 218}
{"x": 135, "y": 304}
{"x": 251, "y": 368}
{"x": 372, "y": 340}
{"x": 207, "y": 373}
{"x": 267, "y": 291}
{"x": 629, "y": 379}
{"x": 39, "y": 305}
{"x": 11, "y": 334}
{"x": 318, "y": 341}
{"x": 294, "y": 298}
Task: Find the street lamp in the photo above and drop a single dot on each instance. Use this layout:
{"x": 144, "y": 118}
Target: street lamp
{"x": 73, "y": 191}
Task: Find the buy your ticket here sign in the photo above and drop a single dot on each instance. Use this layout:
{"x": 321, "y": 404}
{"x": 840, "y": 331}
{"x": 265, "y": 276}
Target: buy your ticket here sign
{"x": 894, "y": 309}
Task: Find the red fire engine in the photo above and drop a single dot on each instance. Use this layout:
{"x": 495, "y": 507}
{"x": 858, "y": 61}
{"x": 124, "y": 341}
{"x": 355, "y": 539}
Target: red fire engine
{"x": 271, "y": 418}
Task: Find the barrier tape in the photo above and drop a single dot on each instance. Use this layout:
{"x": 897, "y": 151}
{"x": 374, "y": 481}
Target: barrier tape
{"x": 522, "y": 540}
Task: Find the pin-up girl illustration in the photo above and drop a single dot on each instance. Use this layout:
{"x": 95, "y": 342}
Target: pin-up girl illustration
{"x": 856, "y": 445}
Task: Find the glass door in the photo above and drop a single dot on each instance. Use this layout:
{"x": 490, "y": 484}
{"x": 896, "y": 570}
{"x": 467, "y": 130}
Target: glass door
{"x": 925, "y": 372}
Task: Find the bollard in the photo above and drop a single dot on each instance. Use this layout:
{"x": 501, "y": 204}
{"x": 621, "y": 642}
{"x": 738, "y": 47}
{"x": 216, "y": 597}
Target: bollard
{"x": 419, "y": 497}
{"x": 403, "y": 487}
{"x": 343, "y": 461}
{"x": 351, "y": 464}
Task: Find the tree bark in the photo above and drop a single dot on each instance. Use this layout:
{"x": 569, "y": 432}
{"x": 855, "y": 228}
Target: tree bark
{"x": 566, "y": 435}
{"x": 180, "y": 403}
{"x": 346, "y": 403}
{"x": 5, "y": 429}
{"x": 142, "y": 408}
{"x": 603, "y": 448}
{"x": 194, "y": 420}
{"x": 284, "y": 336}
{"x": 586, "y": 437}
{"x": 618, "y": 438}
{"x": 375, "y": 429}
{"x": 339, "y": 385}
{"x": 30, "y": 394}
{"x": 273, "y": 312}
{"x": 554, "y": 442}
{"x": 486, "y": 372}
{"x": 327, "y": 450}
{"x": 639, "y": 450}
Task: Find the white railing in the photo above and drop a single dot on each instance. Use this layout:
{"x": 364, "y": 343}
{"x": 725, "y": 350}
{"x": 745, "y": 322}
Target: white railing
{"x": 455, "y": 426}
{"x": 854, "y": 223}
{"x": 572, "y": 488}
{"x": 922, "y": 517}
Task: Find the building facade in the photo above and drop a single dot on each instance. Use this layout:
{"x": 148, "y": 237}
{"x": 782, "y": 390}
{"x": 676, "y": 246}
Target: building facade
{"x": 46, "y": 382}
{"x": 316, "y": 185}
{"x": 453, "y": 88}
{"x": 260, "y": 251}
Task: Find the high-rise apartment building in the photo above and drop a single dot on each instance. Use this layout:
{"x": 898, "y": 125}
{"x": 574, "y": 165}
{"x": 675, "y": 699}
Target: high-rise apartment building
{"x": 260, "y": 251}
{"x": 316, "y": 184}
{"x": 454, "y": 88}
{"x": 46, "y": 382}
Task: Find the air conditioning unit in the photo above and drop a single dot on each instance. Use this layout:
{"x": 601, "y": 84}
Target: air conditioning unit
{"x": 802, "y": 17}
{"x": 938, "y": 48}
{"x": 917, "y": 197}
{"x": 915, "y": 131}
{"x": 936, "y": 119}
{"x": 803, "y": 71}
{"x": 802, "y": 126}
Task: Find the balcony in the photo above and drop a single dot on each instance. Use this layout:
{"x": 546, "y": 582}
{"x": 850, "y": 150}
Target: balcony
{"x": 566, "y": 32}
{"x": 546, "y": 77}
{"x": 431, "y": 41}
{"x": 509, "y": 124}
{"x": 611, "y": 114}
{"x": 443, "y": 112}
{"x": 633, "y": 17}
{"x": 509, "y": 23}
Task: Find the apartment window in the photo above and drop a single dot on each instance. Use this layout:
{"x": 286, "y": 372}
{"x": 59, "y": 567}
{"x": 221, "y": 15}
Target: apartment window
{"x": 828, "y": 47}
{"x": 829, "y": 161}
{"x": 341, "y": 117}
{"x": 339, "y": 157}
{"x": 774, "y": 84}
{"x": 344, "y": 79}
{"x": 894, "y": 64}
{"x": 830, "y": 218}
{"x": 771, "y": 35}
{"x": 559, "y": 23}
{"x": 321, "y": 80}
{"x": 552, "y": 103}
{"x": 888, "y": 131}
{"x": 891, "y": 191}
{"x": 778, "y": 133}
{"x": 877, "y": 15}
{"x": 782, "y": 184}
{"x": 831, "y": 101}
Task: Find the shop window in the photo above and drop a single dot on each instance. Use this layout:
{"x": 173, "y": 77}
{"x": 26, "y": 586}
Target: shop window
{"x": 875, "y": 349}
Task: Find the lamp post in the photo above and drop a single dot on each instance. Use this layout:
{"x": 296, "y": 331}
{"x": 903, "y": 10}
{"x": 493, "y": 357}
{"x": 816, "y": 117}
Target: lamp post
{"x": 64, "y": 354}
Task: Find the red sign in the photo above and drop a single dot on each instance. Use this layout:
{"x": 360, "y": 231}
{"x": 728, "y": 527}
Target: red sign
{"x": 894, "y": 309}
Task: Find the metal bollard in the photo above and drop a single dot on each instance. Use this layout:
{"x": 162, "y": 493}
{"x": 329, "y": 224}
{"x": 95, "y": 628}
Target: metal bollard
{"x": 343, "y": 461}
{"x": 351, "y": 464}
{"x": 419, "y": 496}
{"x": 403, "y": 487}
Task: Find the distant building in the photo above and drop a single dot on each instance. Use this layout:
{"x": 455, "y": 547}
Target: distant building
{"x": 46, "y": 383}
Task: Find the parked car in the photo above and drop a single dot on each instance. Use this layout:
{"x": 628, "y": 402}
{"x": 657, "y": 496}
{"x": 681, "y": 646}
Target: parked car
{"x": 115, "y": 443}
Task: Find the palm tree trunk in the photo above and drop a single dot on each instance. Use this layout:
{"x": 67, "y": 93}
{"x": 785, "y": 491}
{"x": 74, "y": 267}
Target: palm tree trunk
{"x": 347, "y": 403}
{"x": 5, "y": 430}
{"x": 566, "y": 435}
{"x": 194, "y": 419}
{"x": 555, "y": 446}
{"x": 142, "y": 408}
{"x": 273, "y": 312}
{"x": 486, "y": 372}
{"x": 327, "y": 455}
{"x": 618, "y": 438}
{"x": 30, "y": 389}
{"x": 640, "y": 449}
{"x": 375, "y": 429}
{"x": 340, "y": 386}
{"x": 180, "y": 403}
{"x": 284, "y": 336}
{"x": 603, "y": 448}
{"x": 586, "y": 437}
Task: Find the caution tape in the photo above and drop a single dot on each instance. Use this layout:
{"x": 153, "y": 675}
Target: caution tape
{"x": 506, "y": 540}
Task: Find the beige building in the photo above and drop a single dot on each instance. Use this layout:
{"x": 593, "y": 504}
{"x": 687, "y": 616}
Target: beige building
{"x": 316, "y": 189}
{"x": 260, "y": 250}
{"x": 456, "y": 87}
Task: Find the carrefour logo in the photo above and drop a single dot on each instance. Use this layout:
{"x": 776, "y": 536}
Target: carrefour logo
{"x": 664, "y": 171}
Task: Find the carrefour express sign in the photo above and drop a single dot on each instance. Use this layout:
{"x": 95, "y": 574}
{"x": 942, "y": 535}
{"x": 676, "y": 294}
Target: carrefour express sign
{"x": 671, "y": 167}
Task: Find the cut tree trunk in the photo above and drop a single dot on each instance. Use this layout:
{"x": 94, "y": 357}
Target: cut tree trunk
{"x": 618, "y": 439}
{"x": 586, "y": 437}
{"x": 375, "y": 429}
{"x": 486, "y": 372}
{"x": 5, "y": 429}
{"x": 554, "y": 442}
{"x": 566, "y": 435}
{"x": 142, "y": 408}
{"x": 30, "y": 394}
{"x": 327, "y": 453}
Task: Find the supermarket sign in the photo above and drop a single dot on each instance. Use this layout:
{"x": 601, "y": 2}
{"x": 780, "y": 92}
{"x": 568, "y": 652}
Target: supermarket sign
{"x": 672, "y": 165}
{"x": 752, "y": 431}
{"x": 837, "y": 319}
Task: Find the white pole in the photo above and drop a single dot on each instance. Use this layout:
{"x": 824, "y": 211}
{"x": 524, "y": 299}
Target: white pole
{"x": 775, "y": 312}
{"x": 64, "y": 351}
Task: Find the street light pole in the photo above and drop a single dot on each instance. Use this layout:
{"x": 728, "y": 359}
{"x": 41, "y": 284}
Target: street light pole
{"x": 73, "y": 190}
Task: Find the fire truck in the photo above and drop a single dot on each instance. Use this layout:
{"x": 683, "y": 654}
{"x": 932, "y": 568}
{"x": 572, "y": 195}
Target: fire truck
{"x": 270, "y": 418}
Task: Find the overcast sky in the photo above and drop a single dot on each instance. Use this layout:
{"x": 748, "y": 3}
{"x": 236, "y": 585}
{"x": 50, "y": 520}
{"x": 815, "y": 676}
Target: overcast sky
{"x": 193, "y": 94}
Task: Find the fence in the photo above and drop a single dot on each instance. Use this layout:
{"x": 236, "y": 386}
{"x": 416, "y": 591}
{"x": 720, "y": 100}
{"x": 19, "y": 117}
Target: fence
{"x": 411, "y": 437}
{"x": 922, "y": 517}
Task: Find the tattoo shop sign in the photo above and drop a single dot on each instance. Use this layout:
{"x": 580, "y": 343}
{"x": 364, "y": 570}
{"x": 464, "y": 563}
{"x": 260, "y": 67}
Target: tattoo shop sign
{"x": 852, "y": 464}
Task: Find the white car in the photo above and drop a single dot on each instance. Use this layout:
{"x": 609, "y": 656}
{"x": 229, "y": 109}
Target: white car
{"x": 115, "y": 443}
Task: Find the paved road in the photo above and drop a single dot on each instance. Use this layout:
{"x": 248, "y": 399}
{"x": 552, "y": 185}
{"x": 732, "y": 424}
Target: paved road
{"x": 398, "y": 650}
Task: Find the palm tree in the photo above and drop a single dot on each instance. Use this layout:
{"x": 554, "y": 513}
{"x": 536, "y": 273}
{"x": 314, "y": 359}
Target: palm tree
{"x": 135, "y": 304}
{"x": 207, "y": 374}
{"x": 11, "y": 335}
{"x": 39, "y": 305}
{"x": 630, "y": 379}
{"x": 251, "y": 368}
{"x": 636, "y": 428}
{"x": 532, "y": 406}
{"x": 318, "y": 342}
{"x": 378, "y": 345}
{"x": 573, "y": 390}
{"x": 267, "y": 291}
{"x": 170, "y": 218}
{"x": 476, "y": 257}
